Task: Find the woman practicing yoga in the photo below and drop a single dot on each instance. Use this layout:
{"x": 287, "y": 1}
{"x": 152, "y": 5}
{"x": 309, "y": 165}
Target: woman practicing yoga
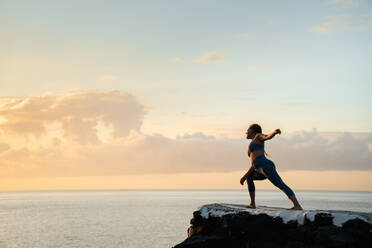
{"x": 262, "y": 167}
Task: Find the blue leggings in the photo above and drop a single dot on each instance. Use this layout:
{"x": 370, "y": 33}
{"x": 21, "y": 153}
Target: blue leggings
{"x": 268, "y": 168}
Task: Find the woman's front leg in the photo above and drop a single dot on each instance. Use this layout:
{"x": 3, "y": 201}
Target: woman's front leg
{"x": 251, "y": 188}
{"x": 253, "y": 202}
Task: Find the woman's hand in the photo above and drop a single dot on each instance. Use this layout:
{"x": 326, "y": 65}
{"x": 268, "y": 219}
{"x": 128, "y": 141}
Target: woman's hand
{"x": 277, "y": 131}
{"x": 242, "y": 180}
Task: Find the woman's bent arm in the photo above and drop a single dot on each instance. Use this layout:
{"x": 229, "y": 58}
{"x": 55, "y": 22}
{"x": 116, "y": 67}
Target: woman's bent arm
{"x": 248, "y": 173}
{"x": 242, "y": 180}
{"x": 264, "y": 137}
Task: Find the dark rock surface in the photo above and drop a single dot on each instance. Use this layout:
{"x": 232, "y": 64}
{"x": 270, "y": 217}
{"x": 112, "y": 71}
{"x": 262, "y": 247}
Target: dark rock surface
{"x": 225, "y": 225}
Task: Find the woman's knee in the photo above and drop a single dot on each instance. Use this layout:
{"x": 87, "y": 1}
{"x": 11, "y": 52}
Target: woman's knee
{"x": 274, "y": 176}
{"x": 278, "y": 182}
{"x": 249, "y": 179}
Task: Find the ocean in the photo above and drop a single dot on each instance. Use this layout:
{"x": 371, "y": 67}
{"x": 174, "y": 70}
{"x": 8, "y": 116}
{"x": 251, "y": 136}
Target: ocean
{"x": 133, "y": 218}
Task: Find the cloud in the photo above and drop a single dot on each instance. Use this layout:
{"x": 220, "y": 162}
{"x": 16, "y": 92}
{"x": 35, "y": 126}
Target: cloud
{"x": 311, "y": 151}
{"x": 4, "y": 147}
{"x": 344, "y": 3}
{"x": 179, "y": 60}
{"x": 75, "y": 122}
{"x": 344, "y": 22}
{"x": 212, "y": 57}
{"x": 258, "y": 68}
{"x": 134, "y": 154}
{"x": 77, "y": 112}
{"x": 196, "y": 136}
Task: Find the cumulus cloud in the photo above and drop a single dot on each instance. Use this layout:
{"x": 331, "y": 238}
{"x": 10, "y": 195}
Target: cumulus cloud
{"x": 312, "y": 151}
{"x": 212, "y": 57}
{"x": 76, "y": 148}
{"x": 344, "y": 22}
{"x": 135, "y": 154}
{"x": 77, "y": 112}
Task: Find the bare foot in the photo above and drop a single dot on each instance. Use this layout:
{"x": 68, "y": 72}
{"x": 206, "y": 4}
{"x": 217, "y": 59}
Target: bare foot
{"x": 296, "y": 208}
{"x": 251, "y": 206}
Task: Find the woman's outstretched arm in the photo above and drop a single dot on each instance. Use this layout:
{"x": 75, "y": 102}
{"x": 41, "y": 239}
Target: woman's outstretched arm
{"x": 264, "y": 137}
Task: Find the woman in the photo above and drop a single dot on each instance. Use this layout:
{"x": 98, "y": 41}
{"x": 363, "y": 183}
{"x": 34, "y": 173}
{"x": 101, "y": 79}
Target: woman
{"x": 262, "y": 167}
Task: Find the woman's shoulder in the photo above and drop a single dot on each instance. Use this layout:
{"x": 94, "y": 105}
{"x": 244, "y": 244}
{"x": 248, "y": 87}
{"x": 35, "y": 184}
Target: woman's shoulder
{"x": 258, "y": 139}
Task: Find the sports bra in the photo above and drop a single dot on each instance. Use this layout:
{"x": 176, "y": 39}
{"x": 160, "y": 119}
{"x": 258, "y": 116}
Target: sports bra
{"x": 253, "y": 146}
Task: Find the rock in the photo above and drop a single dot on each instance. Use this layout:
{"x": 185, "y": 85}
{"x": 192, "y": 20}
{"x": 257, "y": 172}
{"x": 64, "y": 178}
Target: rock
{"x": 207, "y": 241}
{"x": 229, "y": 225}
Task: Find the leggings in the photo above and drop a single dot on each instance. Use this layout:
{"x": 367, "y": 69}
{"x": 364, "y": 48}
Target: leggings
{"x": 268, "y": 168}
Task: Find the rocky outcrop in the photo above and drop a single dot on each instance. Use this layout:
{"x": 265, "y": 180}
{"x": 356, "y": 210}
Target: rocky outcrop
{"x": 229, "y": 225}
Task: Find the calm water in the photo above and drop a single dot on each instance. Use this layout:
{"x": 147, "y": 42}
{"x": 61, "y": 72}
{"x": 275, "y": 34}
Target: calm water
{"x": 133, "y": 218}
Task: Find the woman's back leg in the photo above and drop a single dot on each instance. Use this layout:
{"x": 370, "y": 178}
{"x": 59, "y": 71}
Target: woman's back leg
{"x": 275, "y": 179}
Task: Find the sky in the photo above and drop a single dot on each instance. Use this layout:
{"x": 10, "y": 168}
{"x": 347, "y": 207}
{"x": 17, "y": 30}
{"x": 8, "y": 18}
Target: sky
{"x": 159, "y": 94}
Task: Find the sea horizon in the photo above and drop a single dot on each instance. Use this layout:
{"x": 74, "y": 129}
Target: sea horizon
{"x": 118, "y": 189}
{"x": 135, "y": 217}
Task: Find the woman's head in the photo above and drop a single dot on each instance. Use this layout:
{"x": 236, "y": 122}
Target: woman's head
{"x": 253, "y": 130}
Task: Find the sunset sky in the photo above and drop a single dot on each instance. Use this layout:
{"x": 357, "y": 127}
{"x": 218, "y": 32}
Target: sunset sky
{"x": 159, "y": 94}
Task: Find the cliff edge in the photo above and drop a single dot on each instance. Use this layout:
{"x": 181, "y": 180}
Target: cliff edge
{"x": 235, "y": 226}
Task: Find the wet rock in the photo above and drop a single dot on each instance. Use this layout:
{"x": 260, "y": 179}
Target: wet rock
{"x": 231, "y": 226}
